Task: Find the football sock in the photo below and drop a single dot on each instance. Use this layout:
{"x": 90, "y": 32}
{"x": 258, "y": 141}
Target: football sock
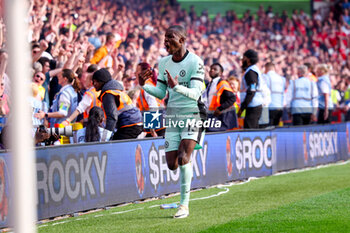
{"x": 186, "y": 173}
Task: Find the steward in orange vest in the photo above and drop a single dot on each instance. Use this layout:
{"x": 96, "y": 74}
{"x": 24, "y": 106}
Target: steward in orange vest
{"x": 120, "y": 113}
{"x": 220, "y": 100}
{"x": 142, "y": 103}
{"x": 95, "y": 101}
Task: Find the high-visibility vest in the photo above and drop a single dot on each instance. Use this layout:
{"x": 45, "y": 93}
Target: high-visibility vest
{"x": 334, "y": 96}
{"x": 141, "y": 100}
{"x": 124, "y": 100}
{"x": 69, "y": 91}
{"x": 220, "y": 88}
{"x": 95, "y": 101}
{"x": 347, "y": 96}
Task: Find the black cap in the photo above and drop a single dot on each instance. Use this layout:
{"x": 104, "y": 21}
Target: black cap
{"x": 102, "y": 75}
{"x": 252, "y": 55}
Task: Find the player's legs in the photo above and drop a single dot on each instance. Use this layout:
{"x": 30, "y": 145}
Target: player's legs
{"x": 184, "y": 161}
{"x": 182, "y": 158}
{"x": 171, "y": 159}
{"x": 172, "y": 143}
{"x": 178, "y": 154}
{"x": 186, "y": 172}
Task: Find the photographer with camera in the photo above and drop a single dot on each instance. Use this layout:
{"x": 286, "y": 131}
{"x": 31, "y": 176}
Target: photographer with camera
{"x": 94, "y": 132}
{"x": 46, "y": 137}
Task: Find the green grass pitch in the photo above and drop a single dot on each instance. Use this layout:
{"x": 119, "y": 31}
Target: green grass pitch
{"x": 315, "y": 200}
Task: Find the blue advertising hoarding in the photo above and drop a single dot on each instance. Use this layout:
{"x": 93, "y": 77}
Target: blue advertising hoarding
{"x": 308, "y": 146}
{"x": 79, "y": 177}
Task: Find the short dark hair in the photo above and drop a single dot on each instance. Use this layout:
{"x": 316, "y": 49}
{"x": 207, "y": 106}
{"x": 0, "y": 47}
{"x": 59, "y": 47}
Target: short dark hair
{"x": 43, "y": 60}
{"x": 131, "y": 35}
{"x": 109, "y": 36}
{"x": 92, "y": 68}
{"x": 308, "y": 65}
{"x": 219, "y": 65}
{"x": 252, "y": 55}
{"x": 35, "y": 45}
{"x": 179, "y": 29}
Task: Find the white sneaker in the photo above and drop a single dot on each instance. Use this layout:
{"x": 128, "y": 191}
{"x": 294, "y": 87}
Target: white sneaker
{"x": 182, "y": 212}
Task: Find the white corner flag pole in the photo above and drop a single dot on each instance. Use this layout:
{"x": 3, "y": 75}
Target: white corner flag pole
{"x": 23, "y": 191}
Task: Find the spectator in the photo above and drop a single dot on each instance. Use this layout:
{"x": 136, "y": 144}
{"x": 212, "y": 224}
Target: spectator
{"x": 236, "y": 86}
{"x": 39, "y": 79}
{"x": 36, "y": 105}
{"x": 38, "y": 49}
{"x": 4, "y": 104}
{"x": 4, "y": 138}
{"x": 94, "y": 132}
{"x": 3, "y": 63}
{"x": 128, "y": 82}
{"x": 46, "y": 70}
{"x": 302, "y": 99}
{"x": 120, "y": 112}
{"x": 105, "y": 50}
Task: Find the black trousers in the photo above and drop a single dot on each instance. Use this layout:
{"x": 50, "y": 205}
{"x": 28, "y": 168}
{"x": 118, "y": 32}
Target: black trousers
{"x": 320, "y": 118}
{"x": 275, "y": 116}
{"x": 128, "y": 132}
{"x": 252, "y": 116}
{"x": 302, "y": 119}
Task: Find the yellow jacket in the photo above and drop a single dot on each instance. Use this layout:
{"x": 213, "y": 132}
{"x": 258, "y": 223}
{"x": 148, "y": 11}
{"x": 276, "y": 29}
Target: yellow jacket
{"x": 99, "y": 55}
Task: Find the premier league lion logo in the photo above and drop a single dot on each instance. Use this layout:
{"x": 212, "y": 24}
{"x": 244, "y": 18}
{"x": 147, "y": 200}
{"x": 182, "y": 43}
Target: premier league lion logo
{"x": 140, "y": 170}
{"x": 228, "y": 156}
{"x": 3, "y": 196}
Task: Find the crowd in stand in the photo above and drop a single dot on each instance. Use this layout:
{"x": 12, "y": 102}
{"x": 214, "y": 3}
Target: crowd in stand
{"x": 68, "y": 37}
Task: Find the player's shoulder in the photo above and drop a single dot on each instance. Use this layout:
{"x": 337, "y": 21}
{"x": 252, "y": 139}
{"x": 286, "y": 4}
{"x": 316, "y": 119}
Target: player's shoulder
{"x": 164, "y": 60}
{"x": 195, "y": 58}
